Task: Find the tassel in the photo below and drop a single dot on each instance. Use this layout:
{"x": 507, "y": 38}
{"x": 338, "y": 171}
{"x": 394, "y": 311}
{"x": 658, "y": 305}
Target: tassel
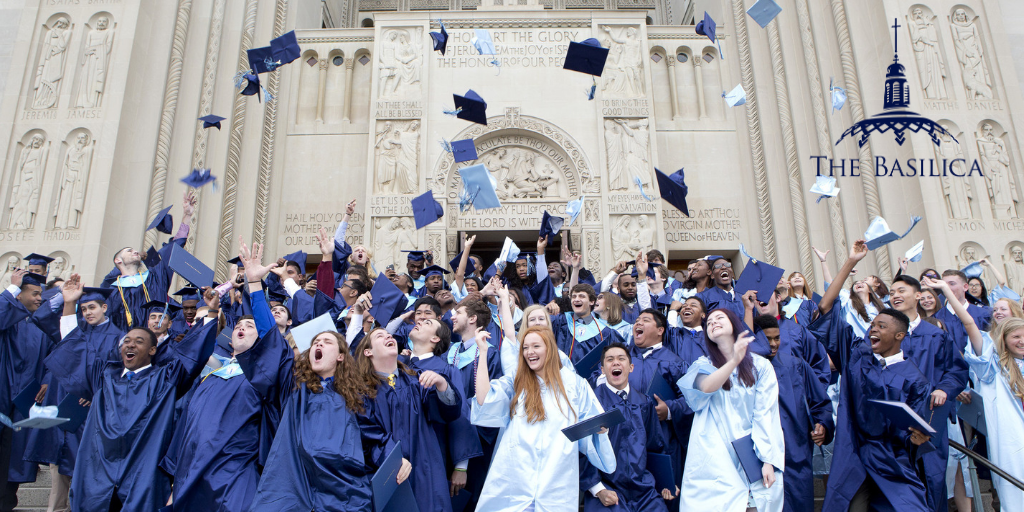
{"x": 641, "y": 185}
{"x": 453, "y": 113}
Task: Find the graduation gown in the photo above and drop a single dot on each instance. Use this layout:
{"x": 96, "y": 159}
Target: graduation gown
{"x": 713, "y": 478}
{"x": 406, "y": 412}
{"x": 798, "y": 342}
{"x": 577, "y": 339}
{"x": 867, "y": 445}
{"x": 982, "y": 316}
{"x": 631, "y": 441}
{"x": 458, "y": 438}
{"x": 803, "y": 404}
{"x": 688, "y": 344}
{"x": 535, "y": 466}
{"x": 716, "y": 297}
{"x": 152, "y": 284}
{"x": 25, "y": 340}
{"x": 675, "y": 432}
{"x": 130, "y": 422}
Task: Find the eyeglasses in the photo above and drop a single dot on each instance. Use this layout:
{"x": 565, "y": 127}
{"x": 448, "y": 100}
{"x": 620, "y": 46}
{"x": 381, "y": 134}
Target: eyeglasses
{"x": 722, "y": 265}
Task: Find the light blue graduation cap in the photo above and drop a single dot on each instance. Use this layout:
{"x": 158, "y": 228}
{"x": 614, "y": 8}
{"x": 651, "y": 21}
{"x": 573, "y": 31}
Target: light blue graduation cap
{"x": 509, "y": 251}
{"x": 482, "y": 42}
{"x": 764, "y": 11}
{"x": 824, "y": 186}
{"x": 478, "y": 188}
{"x": 973, "y": 270}
{"x": 915, "y": 252}
{"x": 838, "y": 97}
{"x": 736, "y": 97}
{"x": 879, "y": 234}
{"x": 573, "y": 209}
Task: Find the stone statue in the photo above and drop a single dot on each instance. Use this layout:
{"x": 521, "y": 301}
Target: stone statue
{"x": 924, "y": 38}
{"x": 956, "y": 189}
{"x": 94, "y": 65}
{"x": 995, "y": 161}
{"x": 399, "y": 64}
{"x": 626, "y": 143}
{"x": 67, "y": 209}
{"x": 9, "y": 268}
{"x": 59, "y": 268}
{"x": 521, "y": 173}
{"x": 616, "y": 156}
{"x": 623, "y": 71}
{"x": 28, "y": 176}
{"x": 397, "y": 150}
{"x": 631, "y": 234}
{"x": 967, "y": 42}
{"x": 390, "y": 236}
{"x": 969, "y": 254}
{"x": 1015, "y": 268}
{"x": 50, "y": 72}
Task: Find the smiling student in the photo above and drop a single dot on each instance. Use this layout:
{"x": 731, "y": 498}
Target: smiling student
{"x": 578, "y": 332}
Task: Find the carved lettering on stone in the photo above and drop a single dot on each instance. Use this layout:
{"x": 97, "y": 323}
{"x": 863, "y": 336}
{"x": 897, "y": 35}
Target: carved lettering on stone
{"x": 95, "y": 63}
{"x": 968, "y": 46}
{"x": 623, "y": 75}
{"x": 74, "y": 174}
{"x": 27, "y": 178}
{"x": 924, "y": 38}
{"x": 995, "y": 161}
{"x": 53, "y": 53}
{"x": 1014, "y": 263}
{"x": 397, "y": 151}
{"x": 957, "y": 187}
{"x": 626, "y": 143}
{"x": 400, "y": 63}
{"x": 630, "y": 235}
{"x": 390, "y": 235}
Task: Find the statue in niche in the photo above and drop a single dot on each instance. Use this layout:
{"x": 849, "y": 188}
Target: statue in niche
{"x": 623, "y": 71}
{"x": 391, "y": 235}
{"x": 50, "y": 72}
{"x": 397, "y": 150}
{"x": 969, "y": 254}
{"x": 995, "y": 161}
{"x": 626, "y": 143}
{"x": 924, "y": 38}
{"x": 9, "y": 268}
{"x": 94, "y": 64}
{"x": 1015, "y": 268}
{"x": 521, "y": 173}
{"x": 630, "y": 235}
{"x": 59, "y": 268}
{"x": 399, "y": 64}
{"x": 967, "y": 42}
{"x": 67, "y": 209}
{"x": 613, "y": 139}
{"x": 956, "y": 189}
{"x": 28, "y": 175}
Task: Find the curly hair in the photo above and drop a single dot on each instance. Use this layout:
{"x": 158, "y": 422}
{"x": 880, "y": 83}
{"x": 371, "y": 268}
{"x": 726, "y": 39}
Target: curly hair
{"x": 346, "y": 378}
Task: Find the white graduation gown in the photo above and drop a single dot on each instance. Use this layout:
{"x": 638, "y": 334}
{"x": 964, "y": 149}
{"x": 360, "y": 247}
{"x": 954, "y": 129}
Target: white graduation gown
{"x": 713, "y": 478}
{"x": 535, "y": 467}
{"x": 1004, "y": 419}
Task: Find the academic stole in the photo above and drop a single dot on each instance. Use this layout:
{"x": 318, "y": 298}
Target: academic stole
{"x": 586, "y": 333}
{"x": 141, "y": 278}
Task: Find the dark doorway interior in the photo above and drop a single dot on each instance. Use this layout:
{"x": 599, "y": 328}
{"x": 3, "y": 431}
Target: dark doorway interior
{"x": 488, "y": 244}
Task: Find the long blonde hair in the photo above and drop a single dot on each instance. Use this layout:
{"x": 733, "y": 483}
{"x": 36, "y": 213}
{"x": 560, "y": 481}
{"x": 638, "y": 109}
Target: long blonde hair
{"x": 526, "y": 382}
{"x": 1006, "y": 363}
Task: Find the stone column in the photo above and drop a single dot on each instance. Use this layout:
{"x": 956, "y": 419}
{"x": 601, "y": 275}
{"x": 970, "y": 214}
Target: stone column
{"x": 673, "y": 93}
{"x": 348, "y": 89}
{"x": 322, "y": 90}
{"x": 698, "y": 76}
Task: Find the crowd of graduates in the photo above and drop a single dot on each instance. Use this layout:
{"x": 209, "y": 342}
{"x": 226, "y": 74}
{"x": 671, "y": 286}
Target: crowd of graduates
{"x": 279, "y": 390}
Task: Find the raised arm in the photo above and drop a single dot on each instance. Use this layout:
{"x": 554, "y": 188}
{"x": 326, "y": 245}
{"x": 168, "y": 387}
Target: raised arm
{"x": 826, "y": 274}
{"x": 188, "y": 207}
{"x": 714, "y": 382}
{"x": 1000, "y": 280}
{"x": 325, "y": 271}
{"x": 857, "y": 253}
{"x": 483, "y": 379}
{"x": 961, "y": 312}
{"x": 504, "y": 306}
{"x": 339, "y": 235}
{"x": 460, "y": 273}
{"x": 576, "y": 262}
{"x": 255, "y": 271}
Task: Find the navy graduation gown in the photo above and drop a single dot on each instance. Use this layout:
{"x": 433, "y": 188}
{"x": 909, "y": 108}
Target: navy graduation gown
{"x": 803, "y": 403}
{"x": 465, "y": 361}
{"x": 153, "y": 288}
{"x": 631, "y": 480}
{"x": 674, "y": 432}
{"x": 630, "y": 311}
{"x": 982, "y": 318}
{"x": 406, "y": 412}
{"x": 797, "y": 341}
{"x": 459, "y": 438}
{"x": 575, "y": 346}
{"x": 716, "y": 297}
{"x": 25, "y": 340}
{"x": 130, "y": 422}
{"x": 688, "y": 344}
{"x": 866, "y": 444}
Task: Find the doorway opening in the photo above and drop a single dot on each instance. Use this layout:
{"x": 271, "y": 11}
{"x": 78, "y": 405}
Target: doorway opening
{"x": 488, "y": 244}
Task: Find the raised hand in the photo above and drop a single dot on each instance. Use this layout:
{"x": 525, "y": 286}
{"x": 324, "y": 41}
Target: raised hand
{"x": 429, "y": 379}
{"x": 821, "y": 255}
{"x": 936, "y": 284}
{"x": 542, "y": 244}
{"x": 467, "y": 241}
{"x": 502, "y": 293}
{"x": 211, "y": 298}
{"x": 188, "y": 203}
{"x": 252, "y": 260}
{"x": 18, "y": 276}
{"x": 859, "y": 250}
{"x": 739, "y": 350}
{"x": 576, "y": 260}
{"x": 326, "y": 243}
{"x": 350, "y": 208}
{"x": 750, "y": 299}
{"x": 482, "y": 339}
{"x": 641, "y": 265}
{"x": 904, "y": 263}
{"x": 72, "y": 290}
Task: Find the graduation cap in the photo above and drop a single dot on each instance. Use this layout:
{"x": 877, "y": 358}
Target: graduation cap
{"x": 166, "y": 308}
{"x": 509, "y": 251}
{"x": 212, "y": 121}
{"x": 586, "y": 57}
{"x": 736, "y": 97}
{"x": 838, "y": 96}
{"x": 454, "y": 264}
{"x": 152, "y": 257}
{"x": 478, "y": 188}
{"x": 425, "y": 209}
{"x": 387, "y": 300}
{"x": 90, "y": 294}
{"x": 187, "y": 293}
{"x": 261, "y": 60}
{"x": 482, "y": 42}
{"x": 761, "y": 277}
{"x": 38, "y": 259}
{"x": 471, "y": 107}
{"x": 440, "y": 40}
{"x": 706, "y": 27}
{"x": 433, "y": 270}
{"x": 574, "y": 208}
{"x": 464, "y": 150}
{"x": 824, "y": 186}
{"x": 163, "y": 222}
{"x": 32, "y": 278}
{"x": 879, "y": 234}
{"x": 249, "y": 83}
{"x": 674, "y": 189}
{"x": 550, "y": 225}
{"x": 198, "y": 178}
{"x": 188, "y": 266}
{"x": 305, "y": 333}
{"x": 299, "y": 258}
{"x": 236, "y": 261}
{"x": 416, "y": 256}
{"x": 972, "y": 270}
{"x": 915, "y": 252}
{"x": 285, "y": 48}
{"x": 764, "y": 11}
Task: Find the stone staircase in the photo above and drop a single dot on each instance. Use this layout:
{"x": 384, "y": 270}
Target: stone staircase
{"x": 35, "y": 496}
{"x": 986, "y": 495}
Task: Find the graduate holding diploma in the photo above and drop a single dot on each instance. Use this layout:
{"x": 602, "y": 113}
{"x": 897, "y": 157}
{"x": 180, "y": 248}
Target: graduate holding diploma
{"x": 536, "y": 467}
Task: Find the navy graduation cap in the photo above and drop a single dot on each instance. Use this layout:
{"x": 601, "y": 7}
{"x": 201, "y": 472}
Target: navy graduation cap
{"x": 187, "y": 293}
{"x": 164, "y": 307}
{"x": 550, "y": 225}
{"x": 433, "y": 270}
{"x": 387, "y": 300}
{"x": 761, "y": 277}
{"x": 211, "y": 121}
{"x": 473, "y": 107}
{"x": 425, "y": 209}
{"x": 32, "y": 278}
{"x": 152, "y": 257}
{"x": 440, "y": 40}
{"x": 299, "y": 258}
{"x": 285, "y": 48}
{"x": 586, "y": 57}
{"x": 674, "y": 190}
{"x": 197, "y": 178}
{"x": 38, "y": 259}
{"x": 252, "y": 85}
{"x": 163, "y": 222}
{"x": 464, "y": 150}
{"x": 236, "y": 261}
{"x": 90, "y": 294}
{"x": 416, "y": 256}
{"x": 261, "y": 60}
{"x": 706, "y": 27}
{"x": 454, "y": 264}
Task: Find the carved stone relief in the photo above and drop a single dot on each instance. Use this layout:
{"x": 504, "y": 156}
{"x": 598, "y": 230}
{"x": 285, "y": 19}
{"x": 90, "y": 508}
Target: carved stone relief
{"x": 11, "y": 261}
{"x": 435, "y": 242}
{"x": 593, "y": 250}
{"x": 924, "y": 39}
{"x": 1013, "y": 261}
{"x": 400, "y": 63}
{"x": 995, "y": 161}
{"x": 26, "y": 180}
{"x": 971, "y": 252}
{"x": 626, "y": 143}
{"x": 69, "y": 200}
{"x": 397, "y": 153}
{"x": 631, "y": 234}
{"x": 390, "y": 235}
{"x": 971, "y": 56}
{"x": 60, "y": 267}
{"x": 523, "y": 173}
{"x": 956, "y": 189}
{"x": 623, "y": 75}
{"x": 592, "y": 210}
{"x": 53, "y": 54}
{"x": 95, "y": 63}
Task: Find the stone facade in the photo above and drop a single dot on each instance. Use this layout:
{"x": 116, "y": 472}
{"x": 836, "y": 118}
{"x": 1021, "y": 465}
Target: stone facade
{"x": 100, "y": 104}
